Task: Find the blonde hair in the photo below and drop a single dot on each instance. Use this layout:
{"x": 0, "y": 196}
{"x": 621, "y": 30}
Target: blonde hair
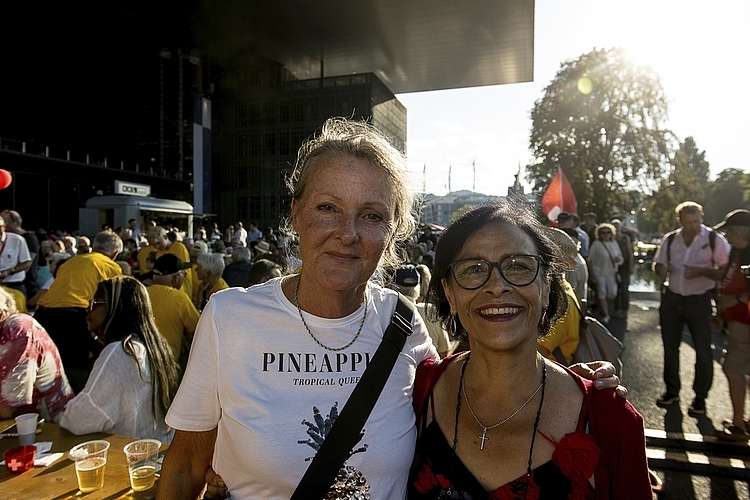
{"x": 7, "y": 302}
{"x": 340, "y": 136}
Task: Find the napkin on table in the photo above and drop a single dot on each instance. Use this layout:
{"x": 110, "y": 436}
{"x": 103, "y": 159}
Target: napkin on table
{"x": 43, "y": 459}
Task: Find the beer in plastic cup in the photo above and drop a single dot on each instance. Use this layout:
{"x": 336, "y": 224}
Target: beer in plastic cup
{"x": 142, "y": 458}
{"x": 90, "y": 458}
{"x": 26, "y": 425}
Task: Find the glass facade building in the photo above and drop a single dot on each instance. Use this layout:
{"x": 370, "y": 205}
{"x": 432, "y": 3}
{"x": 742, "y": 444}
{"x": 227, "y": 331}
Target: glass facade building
{"x": 261, "y": 117}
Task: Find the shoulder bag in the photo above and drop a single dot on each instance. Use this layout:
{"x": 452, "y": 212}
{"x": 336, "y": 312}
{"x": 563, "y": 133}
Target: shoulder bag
{"x": 345, "y": 432}
{"x": 597, "y": 343}
{"x": 618, "y": 278}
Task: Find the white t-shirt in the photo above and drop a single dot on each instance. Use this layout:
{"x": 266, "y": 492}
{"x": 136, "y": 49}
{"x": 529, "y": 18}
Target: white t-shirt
{"x": 241, "y": 234}
{"x": 117, "y": 399}
{"x": 256, "y": 373}
{"x": 604, "y": 257}
{"x": 15, "y": 251}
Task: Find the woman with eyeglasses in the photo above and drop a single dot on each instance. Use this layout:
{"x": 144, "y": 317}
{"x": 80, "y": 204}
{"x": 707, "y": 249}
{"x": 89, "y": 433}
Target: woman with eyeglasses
{"x": 501, "y": 421}
{"x": 605, "y": 257}
{"x": 135, "y": 377}
{"x": 265, "y": 387}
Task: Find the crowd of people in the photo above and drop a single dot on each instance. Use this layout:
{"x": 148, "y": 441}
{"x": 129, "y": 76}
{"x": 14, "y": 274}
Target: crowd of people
{"x": 222, "y": 342}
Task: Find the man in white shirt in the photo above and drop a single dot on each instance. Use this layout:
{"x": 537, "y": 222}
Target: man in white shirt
{"x": 692, "y": 259}
{"x": 241, "y": 233}
{"x": 15, "y": 259}
{"x": 133, "y": 231}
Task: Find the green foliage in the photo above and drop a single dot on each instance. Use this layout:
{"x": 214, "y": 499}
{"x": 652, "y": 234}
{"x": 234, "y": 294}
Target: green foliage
{"x": 610, "y": 142}
{"x": 688, "y": 181}
{"x": 461, "y": 211}
{"x": 695, "y": 161}
{"x": 730, "y": 190}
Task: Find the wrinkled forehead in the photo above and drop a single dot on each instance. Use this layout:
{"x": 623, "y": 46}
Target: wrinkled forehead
{"x": 328, "y": 157}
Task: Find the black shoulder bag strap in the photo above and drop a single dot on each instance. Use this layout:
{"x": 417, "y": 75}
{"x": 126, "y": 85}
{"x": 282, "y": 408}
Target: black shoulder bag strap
{"x": 345, "y": 433}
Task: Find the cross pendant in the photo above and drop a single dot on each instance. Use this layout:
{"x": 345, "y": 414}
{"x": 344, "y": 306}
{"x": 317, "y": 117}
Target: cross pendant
{"x": 484, "y": 438}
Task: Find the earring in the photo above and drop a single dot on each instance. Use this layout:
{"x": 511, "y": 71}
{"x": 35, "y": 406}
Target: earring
{"x": 545, "y": 323}
{"x": 452, "y": 326}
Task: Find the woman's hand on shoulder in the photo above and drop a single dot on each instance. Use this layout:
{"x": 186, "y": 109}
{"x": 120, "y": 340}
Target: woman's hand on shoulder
{"x": 602, "y": 373}
{"x": 215, "y": 487}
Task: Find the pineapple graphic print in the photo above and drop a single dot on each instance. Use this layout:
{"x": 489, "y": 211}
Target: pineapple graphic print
{"x": 350, "y": 483}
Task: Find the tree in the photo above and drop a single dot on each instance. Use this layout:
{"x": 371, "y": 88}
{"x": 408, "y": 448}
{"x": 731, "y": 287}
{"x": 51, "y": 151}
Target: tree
{"x": 601, "y": 120}
{"x": 688, "y": 181}
{"x": 730, "y": 190}
{"x": 694, "y": 160}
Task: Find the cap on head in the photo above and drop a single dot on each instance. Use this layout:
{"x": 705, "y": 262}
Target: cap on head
{"x": 169, "y": 264}
{"x": 564, "y": 217}
{"x": 262, "y": 247}
{"x": 739, "y": 217}
{"x": 407, "y": 275}
{"x": 198, "y": 248}
{"x": 566, "y": 244}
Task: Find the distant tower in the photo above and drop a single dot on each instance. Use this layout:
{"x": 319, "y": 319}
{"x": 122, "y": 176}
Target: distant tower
{"x": 449, "y": 177}
{"x": 474, "y": 182}
{"x": 516, "y": 188}
{"x": 424, "y": 178}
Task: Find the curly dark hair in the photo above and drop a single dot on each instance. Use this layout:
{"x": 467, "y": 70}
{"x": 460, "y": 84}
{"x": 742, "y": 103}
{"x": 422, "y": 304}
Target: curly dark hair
{"x": 512, "y": 213}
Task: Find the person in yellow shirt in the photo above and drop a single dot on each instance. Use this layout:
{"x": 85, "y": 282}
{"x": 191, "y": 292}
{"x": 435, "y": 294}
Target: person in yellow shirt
{"x": 174, "y": 313}
{"x": 565, "y": 332}
{"x": 62, "y": 310}
{"x": 210, "y": 268}
{"x": 199, "y": 248}
{"x": 164, "y": 242}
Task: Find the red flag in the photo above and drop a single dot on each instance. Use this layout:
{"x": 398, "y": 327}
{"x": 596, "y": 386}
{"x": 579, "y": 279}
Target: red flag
{"x": 559, "y": 197}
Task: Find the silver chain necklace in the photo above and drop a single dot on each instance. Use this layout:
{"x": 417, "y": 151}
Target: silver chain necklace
{"x": 299, "y": 309}
{"x": 485, "y": 428}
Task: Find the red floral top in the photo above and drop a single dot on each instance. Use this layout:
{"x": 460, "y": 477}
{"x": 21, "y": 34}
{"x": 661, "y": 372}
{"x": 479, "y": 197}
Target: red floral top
{"x": 565, "y": 476}
{"x": 614, "y": 447}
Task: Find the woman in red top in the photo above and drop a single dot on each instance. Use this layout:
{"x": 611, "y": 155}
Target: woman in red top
{"x": 733, "y": 308}
{"x": 501, "y": 421}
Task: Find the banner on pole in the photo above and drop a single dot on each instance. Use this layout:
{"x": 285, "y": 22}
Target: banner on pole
{"x": 559, "y": 197}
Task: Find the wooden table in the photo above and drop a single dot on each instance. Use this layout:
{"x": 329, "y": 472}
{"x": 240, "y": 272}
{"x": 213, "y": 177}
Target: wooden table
{"x": 58, "y": 481}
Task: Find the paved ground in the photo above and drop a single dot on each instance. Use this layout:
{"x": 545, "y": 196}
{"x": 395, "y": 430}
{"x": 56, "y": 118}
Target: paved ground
{"x": 642, "y": 374}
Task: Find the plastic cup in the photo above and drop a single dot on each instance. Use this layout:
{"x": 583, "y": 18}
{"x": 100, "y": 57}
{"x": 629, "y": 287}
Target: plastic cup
{"x": 26, "y": 425}
{"x": 142, "y": 458}
{"x": 20, "y": 459}
{"x": 90, "y": 458}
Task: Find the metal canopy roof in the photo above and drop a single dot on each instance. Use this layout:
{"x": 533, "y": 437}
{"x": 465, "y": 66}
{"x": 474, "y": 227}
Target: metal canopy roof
{"x": 142, "y": 202}
{"x": 411, "y": 45}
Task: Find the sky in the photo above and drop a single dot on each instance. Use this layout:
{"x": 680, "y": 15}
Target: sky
{"x": 700, "y": 51}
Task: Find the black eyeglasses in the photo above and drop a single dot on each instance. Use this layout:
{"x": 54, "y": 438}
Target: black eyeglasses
{"x": 518, "y": 270}
{"x": 94, "y": 303}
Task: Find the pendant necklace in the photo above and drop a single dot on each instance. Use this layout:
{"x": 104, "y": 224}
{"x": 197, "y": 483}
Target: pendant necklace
{"x": 485, "y": 428}
{"x": 299, "y": 309}
{"x": 448, "y": 493}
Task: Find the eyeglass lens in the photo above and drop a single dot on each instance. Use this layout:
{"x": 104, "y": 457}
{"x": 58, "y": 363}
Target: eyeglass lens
{"x": 93, "y": 303}
{"x": 518, "y": 270}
